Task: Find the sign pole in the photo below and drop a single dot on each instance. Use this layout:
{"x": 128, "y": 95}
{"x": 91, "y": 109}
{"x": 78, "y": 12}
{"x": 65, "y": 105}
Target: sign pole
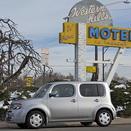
{"x": 76, "y": 63}
{"x": 44, "y": 74}
{"x": 44, "y": 61}
{"x": 96, "y": 58}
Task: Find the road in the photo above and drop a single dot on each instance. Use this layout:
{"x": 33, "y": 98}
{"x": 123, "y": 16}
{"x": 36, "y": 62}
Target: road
{"x": 71, "y": 128}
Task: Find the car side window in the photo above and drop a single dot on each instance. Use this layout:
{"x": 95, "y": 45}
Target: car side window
{"x": 91, "y": 90}
{"x": 101, "y": 90}
{"x": 63, "y": 90}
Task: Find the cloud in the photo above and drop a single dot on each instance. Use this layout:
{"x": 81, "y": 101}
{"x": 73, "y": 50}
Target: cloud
{"x": 36, "y": 17}
{"x": 41, "y": 21}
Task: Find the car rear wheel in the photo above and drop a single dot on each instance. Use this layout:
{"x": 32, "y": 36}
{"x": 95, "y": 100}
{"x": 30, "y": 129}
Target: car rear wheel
{"x": 35, "y": 119}
{"x": 104, "y": 118}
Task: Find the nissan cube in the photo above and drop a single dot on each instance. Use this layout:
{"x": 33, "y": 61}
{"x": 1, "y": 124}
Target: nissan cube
{"x": 84, "y": 102}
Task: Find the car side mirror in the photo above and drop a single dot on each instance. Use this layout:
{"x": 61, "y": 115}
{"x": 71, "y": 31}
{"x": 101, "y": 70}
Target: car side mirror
{"x": 52, "y": 94}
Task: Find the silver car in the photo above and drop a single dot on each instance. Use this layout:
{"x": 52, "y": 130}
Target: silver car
{"x": 84, "y": 102}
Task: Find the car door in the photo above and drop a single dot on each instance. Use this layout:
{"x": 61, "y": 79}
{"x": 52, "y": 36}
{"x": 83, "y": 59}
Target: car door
{"x": 89, "y": 99}
{"x": 64, "y": 105}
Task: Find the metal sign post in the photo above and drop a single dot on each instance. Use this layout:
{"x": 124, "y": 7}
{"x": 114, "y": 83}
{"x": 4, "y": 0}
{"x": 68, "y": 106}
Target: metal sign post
{"x": 44, "y": 74}
{"x": 44, "y": 60}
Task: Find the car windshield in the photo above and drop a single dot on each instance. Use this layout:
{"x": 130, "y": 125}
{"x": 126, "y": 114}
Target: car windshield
{"x": 41, "y": 91}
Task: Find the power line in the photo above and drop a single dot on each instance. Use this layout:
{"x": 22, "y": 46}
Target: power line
{"x": 124, "y": 66}
{"x": 121, "y": 9}
{"x": 51, "y": 41}
{"x": 73, "y": 65}
{"x": 48, "y": 42}
{"x": 61, "y": 66}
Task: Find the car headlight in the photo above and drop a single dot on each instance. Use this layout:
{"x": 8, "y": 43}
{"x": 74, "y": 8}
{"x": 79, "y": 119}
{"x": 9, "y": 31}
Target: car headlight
{"x": 17, "y": 106}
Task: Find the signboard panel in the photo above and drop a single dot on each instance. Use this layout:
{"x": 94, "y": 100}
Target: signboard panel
{"x": 108, "y": 36}
{"x": 44, "y": 59}
{"x": 45, "y": 51}
{"x": 90, "y": 12}
{"x": 97, "y": 35}
{"x": 28, "y": 78}
{"x": 69, "y": 34}
{"x": 28, "y": 84}
{"x": 44, "y": 56}
{"x": 91, "y": 69}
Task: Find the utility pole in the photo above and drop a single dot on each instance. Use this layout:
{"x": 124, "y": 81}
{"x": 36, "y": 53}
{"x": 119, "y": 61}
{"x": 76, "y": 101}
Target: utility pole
{"x": 96, "y": 58}
{"x": 95, "y": 75}
{"x": 103, "y": 58}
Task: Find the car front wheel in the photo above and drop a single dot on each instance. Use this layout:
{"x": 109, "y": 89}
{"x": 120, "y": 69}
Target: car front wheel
{"x": 35, "y": 119}
{"x": 104, "y": 118}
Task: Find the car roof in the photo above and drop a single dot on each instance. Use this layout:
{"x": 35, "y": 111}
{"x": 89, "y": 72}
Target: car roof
{"x": 78, "y": 82}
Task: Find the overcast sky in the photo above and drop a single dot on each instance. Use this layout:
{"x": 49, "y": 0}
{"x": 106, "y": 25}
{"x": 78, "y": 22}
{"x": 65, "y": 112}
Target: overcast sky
{"x": 41, "y": 21}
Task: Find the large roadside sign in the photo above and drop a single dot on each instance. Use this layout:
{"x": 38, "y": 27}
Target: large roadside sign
{"x": 108, "y": 36}
{"x": 90, "y": 12}
{"x": 97, "y": 35}
{"x": 89, "y": 23}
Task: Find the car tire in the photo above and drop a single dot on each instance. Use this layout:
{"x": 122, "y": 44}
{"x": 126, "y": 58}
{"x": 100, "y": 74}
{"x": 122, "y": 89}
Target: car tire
{"x": 35, "y": 119}
{"x": 103, "y": 118}
{"x": 86, "y": 123}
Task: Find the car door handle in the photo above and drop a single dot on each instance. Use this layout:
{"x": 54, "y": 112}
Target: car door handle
{"x": 73, "y": 100}
{"x": 96, "y": 100}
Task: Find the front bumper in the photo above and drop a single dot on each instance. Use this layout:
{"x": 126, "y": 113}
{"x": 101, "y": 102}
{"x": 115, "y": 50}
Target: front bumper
{"x": 15, "y": 116}
{"x": 9, "y": 116}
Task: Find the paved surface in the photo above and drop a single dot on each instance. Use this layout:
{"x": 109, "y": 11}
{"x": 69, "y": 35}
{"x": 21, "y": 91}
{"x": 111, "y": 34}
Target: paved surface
{"x": 71, "y": 127}
{"x": 118, "y": 121}
{"x": 122, "y": 121}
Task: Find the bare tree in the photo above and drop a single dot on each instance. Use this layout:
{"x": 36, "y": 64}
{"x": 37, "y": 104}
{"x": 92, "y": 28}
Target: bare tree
{"x": 16, "y": 53}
